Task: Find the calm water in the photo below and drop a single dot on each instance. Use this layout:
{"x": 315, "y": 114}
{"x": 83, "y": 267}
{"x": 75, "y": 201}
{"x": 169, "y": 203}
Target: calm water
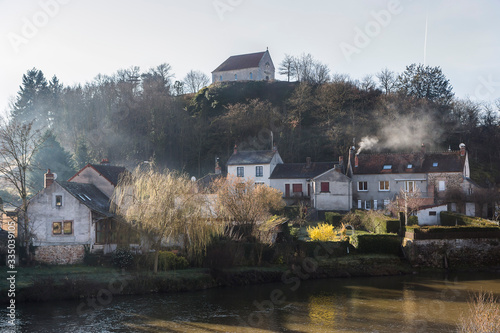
{"x": 416, "y": 303}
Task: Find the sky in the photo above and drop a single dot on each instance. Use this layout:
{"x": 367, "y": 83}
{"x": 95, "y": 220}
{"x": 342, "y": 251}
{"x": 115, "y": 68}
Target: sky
{"x": 78, "y": 39}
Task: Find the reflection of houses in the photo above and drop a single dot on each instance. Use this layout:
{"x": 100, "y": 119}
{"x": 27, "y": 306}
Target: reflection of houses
{"x": 69, "y": 216}
{"x": 245, "y": 67}
{"x": 378, "y": 178}
{"x": 322, "y": 185}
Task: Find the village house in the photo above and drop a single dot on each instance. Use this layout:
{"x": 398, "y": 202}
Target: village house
{"x": 245, "y": 67}
{"x": 378, "y": 178}
{"x": 71, "y": 217}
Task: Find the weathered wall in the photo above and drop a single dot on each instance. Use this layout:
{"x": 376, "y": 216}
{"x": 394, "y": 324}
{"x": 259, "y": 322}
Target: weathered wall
{"x": 90, "y": 176}
{"x": 453, "y": 253}
{"x": 60, "y": 254}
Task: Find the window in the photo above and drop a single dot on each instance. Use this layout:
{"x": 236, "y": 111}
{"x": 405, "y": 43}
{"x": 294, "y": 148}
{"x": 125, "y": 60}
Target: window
{"x": 435, "y": 164}
{"x": 386, "y": 202}
{"x": 59, "y": 201}
{"x": 220, "y": 78}
{"x": 383, "y": 185}
{"x": 297, "y": 188}
{"x": 387, "y": 167}
{"x": 362, "y": 186}
{"x": 251, "y": 76}
{"x": 441, "y": 185}
{"x": 359, "y": 204}
{"x": 259, "y": 171}
{"x": 368, "y": 205}
{"x": 259, "y": 183}
{"x": 432, "y": 213}
{"x": 62, "y": 228}
{"x": 235, "y": 77}
{"x": 409, "y": 166}
{"x": 240, "y": 171}
{"x": 410, "y": 186}
{"x": 325, "y": 186}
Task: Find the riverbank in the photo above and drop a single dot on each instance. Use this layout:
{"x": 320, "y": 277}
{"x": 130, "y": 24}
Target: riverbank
{"x": 45, "y": 283}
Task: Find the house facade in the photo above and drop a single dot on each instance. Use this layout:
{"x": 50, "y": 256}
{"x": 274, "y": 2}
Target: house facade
{"x": 378, "y": 178}
{"x": 245, "y": 67}
{"x": 70, "y": 217}
{"x": 257, "y": 165}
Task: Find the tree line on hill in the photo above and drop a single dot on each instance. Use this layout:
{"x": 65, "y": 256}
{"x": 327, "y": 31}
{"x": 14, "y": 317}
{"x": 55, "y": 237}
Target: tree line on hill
{"x": 135, "y": 116}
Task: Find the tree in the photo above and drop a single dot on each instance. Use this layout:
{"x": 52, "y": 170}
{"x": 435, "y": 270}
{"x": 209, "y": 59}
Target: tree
{"x": 246, "y": 205}
{"x": 165, "y": 205}
{"x": 287, "y": 67}
{"x": 407, "y": 202}
{"x": 19, "y": 143}
{"x": 387, "y": 80}
{"x": 427, "y": 82}
{"x": 195, "y": 80}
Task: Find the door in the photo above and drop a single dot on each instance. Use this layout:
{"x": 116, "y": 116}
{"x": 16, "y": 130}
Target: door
{"x": 287, "y": 190}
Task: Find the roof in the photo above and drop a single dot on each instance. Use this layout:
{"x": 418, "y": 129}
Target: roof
{"x": 241, "y": 61}
{"x": 252, "y": 157}
{"x": 206, "y": 181}
{"x": 89, "y": 195}
{"x": 110, "y": 172}
{"x": 396, "y": 163}
{"x": 300, "y": 170}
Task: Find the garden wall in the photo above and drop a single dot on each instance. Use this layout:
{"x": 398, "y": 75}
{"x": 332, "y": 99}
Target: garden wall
{"x": 60, "y": 254}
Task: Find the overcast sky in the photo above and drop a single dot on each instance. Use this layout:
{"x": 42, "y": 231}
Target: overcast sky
{"x": 78, "y": 39}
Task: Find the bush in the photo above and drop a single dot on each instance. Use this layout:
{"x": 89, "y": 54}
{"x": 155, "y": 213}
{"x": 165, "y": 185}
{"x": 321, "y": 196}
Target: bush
{"x": 122, "y": 258}
{"x": 412, "y": 220}
{"x": 168, "y": 260}
{"x": 333, "y": 218}
{"x": 453, "y": 219}
{"x": 392, "y": 226}
{"x": 323, "y": 232}
{"x": 377, "y": 243}
{"x": 483, "y": 316}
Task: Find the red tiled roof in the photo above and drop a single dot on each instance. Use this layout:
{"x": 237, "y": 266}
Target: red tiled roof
{"x": 399, "y": 163}
{"x": 241, "y": 61}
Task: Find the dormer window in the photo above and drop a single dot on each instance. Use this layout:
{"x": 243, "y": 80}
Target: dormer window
{"x": 387, "y": 167}
{"x": 435, "y": 164}
{"x": 409, "y": 166}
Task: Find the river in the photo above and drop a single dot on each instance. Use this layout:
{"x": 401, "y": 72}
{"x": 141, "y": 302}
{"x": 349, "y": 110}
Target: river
{"x": 412, "y": 303}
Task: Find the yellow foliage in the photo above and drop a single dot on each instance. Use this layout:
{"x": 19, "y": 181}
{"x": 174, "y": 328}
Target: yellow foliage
{"x": 324, "y": 232}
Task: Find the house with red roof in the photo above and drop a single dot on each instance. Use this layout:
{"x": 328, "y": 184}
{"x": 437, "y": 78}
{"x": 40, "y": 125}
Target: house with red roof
{"x": 245, "y": 67}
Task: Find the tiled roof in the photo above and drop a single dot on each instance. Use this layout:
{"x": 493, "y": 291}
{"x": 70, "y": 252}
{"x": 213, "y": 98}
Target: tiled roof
{"x": 409, "y": 163}
{"x": 241, "y": 61}
{"x": 89, "y": 195}
{"x": 251, "y": 157}
{"x": 300, "y": 170}
{"x": 110, "y": 172}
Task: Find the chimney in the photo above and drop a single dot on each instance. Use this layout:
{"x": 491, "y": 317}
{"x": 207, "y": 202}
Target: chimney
{"x": 356, "y": 161}
{"x": 235, "y": 149}
{"x": 48, "y": 179}
{"x": 104, "y": 161}
{"x": 275, "y": 148}
{"x": 422, "y": 148}
{"x": 462, "y": 149}
{"x": 217, "y": 166}
{"x": 308, "y": 162}
{"x": 341, "y": 160}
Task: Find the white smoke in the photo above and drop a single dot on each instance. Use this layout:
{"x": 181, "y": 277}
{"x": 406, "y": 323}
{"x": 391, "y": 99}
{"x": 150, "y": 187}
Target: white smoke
{"x": 368, "y": 142}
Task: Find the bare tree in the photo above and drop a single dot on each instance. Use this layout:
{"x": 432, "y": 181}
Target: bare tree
{"x": 165, "y": 205}
{"x": 407, "y": 202}
{"x": 19, "y": 142}
{"x": 195, "y": 80}
{"x": 287, "y": 67}
{"x": 387, "y": 80}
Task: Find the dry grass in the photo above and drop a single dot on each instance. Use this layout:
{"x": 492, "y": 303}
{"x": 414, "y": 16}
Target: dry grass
{"x": 483, "y": 315}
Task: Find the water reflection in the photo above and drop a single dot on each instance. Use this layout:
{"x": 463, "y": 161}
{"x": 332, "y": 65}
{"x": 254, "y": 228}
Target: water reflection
{"x": 386, "y": 304}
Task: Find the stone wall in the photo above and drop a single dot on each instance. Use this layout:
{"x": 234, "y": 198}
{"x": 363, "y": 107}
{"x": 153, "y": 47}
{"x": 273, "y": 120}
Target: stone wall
{"x": 60, "y": 254}
{"x": 453, "y": 253}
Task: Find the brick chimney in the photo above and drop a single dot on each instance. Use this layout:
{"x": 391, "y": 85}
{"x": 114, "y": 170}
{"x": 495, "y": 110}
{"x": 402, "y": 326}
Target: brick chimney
{"x": 48, "y": 178}
{"x": 104, "y": 161}
{"x": 462, "y": 149}
{"x": 235, "y": 151}
{"x": 356, "y": 161}
{"x": 218, "y": 170}
{"x": 341, "y": 160}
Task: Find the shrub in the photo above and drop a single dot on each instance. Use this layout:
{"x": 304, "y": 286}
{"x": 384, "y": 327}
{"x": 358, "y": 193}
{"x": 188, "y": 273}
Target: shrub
{"x": 333, "y": 218}
{"x": 323, "y": 232}
{"x": 392, "y": 226}
{"x": 377, "y": 243}
{"x": 122, "y": 258}
{"x": 483, "y": 316}
{"x": 169, "y": 260}
{"x": 412, "y": 220}
{"x": 454, "y": 219}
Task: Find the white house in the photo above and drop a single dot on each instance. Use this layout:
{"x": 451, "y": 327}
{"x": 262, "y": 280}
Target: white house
{"x": 245, "y": 67}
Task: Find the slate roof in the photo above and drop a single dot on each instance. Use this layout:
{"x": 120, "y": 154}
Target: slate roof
{"x": 399, "y": 163}
{"x": 241, "y": 61}
{"x": 89, "y": 195}
{"x": 300, "y": 170}
{"x": 251, "y": 157}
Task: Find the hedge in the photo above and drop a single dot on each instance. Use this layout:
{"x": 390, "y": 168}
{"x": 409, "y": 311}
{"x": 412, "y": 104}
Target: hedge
{"x": 453, "y": 219}
{"x": 377, "y": 243}
{"x": 333, "y": 218}
{"x": 335, "y": 249}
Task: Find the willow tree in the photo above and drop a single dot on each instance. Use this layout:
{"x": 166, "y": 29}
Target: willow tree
{"x": 164, "y": 206}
